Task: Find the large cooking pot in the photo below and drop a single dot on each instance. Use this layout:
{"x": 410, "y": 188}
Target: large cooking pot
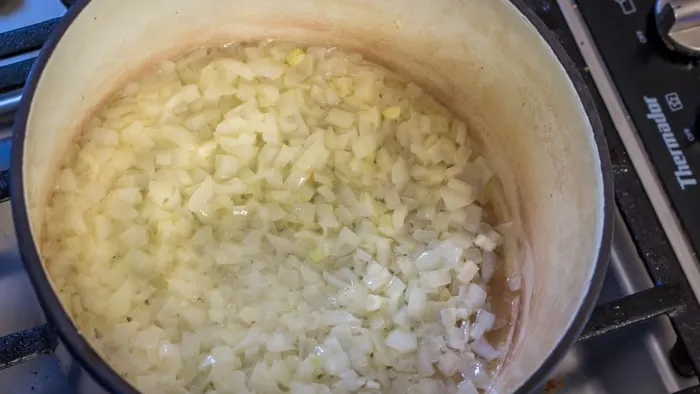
{"x": 491, "y": 61}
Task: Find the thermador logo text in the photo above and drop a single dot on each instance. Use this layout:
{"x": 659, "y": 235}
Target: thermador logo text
{"x": 684, "y": 175}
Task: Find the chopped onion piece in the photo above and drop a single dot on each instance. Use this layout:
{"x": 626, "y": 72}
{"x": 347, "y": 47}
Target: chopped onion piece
{"x": 340, "y": 118}
{"x": 466, "y": 387}
{"x": 199, "y": 199}
{"x": 484, "y": 349}
{"x": 376, "y": 276}
{"x": 402, "y": 340}
{"x": 476, "y": 296}
{"x": 467, "y": 272}
{"x": 417, "y": 301}
{"x": 434, "y": 279}
{"x": 484, "y": 322}
{"x": 428, "y": 260}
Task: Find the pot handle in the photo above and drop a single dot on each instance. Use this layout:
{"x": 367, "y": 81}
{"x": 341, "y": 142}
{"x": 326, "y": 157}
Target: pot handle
{"x": 27, "y": 345}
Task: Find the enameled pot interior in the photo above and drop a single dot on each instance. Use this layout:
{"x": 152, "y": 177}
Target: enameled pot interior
{"x": 483, "y": 59}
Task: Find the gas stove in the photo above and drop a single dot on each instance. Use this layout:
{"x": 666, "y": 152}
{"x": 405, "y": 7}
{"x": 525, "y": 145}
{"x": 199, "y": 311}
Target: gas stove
{"x": 641, "y": 63}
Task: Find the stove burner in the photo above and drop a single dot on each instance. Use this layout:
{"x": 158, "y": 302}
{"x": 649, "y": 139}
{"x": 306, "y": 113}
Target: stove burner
{"x": 670, "y": 296}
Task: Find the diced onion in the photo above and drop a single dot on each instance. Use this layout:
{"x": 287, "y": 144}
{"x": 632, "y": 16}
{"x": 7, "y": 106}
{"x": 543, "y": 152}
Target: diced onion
{"x": 402, "y": 341}
{"x": 272, "y": 218}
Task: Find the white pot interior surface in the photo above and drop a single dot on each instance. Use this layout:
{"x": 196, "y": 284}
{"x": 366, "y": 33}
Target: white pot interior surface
{"x": 483, "y": 59}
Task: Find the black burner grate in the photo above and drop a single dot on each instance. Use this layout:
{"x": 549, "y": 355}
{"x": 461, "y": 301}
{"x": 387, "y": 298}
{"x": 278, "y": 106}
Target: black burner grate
{"x": 12, "y": 76}
{"x": 671, "y": 296}
{"x": 26, "y": 39}
{"x": 18, "y": 42}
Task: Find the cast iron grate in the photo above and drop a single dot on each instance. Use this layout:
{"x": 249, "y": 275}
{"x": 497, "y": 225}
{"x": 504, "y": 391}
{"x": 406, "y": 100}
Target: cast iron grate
{"x": 671, "y": 296}
{"x": 30, "y": 38}
{"x": 17, "y": 42}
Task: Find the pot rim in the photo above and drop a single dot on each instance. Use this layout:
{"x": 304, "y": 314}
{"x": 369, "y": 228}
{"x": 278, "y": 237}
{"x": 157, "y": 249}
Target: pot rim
{"x": 588, "y": 303}
{"x": 106, "y": 376}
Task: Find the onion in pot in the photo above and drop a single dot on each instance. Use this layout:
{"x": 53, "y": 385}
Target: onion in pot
{"x": 271, "y": 218}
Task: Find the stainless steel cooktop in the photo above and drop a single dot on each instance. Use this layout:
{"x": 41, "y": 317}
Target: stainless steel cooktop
{"x": 633, "y": 360}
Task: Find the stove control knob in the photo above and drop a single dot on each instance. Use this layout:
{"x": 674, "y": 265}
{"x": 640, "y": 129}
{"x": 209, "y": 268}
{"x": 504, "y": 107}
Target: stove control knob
{"x": 678, "y": 22}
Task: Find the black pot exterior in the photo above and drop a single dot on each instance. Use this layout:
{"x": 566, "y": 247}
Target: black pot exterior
{"x": 81, "y": 350}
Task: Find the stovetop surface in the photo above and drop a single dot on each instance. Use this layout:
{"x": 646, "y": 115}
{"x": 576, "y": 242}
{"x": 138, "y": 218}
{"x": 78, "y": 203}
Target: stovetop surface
{"x": 660, "y": 89}
{"x": 633, "y": 360}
